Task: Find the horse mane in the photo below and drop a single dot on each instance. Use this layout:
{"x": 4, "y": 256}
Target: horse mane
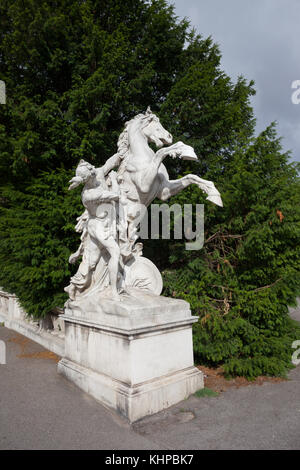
{"x": 123, "y": 141}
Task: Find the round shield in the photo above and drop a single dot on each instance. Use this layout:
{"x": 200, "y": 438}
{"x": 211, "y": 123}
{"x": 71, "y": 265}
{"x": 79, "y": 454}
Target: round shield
{"x": 142, "y": 274}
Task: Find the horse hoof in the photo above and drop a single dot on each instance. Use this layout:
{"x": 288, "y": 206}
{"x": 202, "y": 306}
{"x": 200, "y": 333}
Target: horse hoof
{"x": 216, "y": 200}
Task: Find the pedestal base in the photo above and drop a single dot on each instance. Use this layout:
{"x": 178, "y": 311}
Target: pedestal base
{"x": 139, "y": 400}
{"x": 135, "y": 356}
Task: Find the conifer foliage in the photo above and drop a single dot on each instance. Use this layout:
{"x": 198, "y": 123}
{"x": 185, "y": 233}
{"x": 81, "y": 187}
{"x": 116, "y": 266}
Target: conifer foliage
{"x": 75, "y": 72}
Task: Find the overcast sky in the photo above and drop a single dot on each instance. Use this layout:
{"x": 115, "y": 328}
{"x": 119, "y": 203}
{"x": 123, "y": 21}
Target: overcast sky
{"x": 259, "y": 39}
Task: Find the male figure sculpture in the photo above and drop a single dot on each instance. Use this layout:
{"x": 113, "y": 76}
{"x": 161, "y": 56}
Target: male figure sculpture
{"x": 100, "y": 229}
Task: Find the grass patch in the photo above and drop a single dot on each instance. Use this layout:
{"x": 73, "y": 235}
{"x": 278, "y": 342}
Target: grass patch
{"x": 206, "y": 392}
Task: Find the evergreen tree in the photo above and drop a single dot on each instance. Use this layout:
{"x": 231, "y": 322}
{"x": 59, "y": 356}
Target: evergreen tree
{"x": 75, "y": 72}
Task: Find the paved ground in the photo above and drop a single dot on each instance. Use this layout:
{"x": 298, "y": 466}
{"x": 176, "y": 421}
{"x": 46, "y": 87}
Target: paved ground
{"x": 40, "y": 409}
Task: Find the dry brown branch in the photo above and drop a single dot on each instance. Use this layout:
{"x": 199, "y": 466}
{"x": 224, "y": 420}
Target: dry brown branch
{"x": 223, "y": 236}
{"x": 266, "y": 287}
{"x": 211, "y": 237}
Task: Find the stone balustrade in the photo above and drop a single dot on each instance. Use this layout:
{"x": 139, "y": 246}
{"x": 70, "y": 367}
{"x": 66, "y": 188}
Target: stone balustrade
{"x": 48, "y": 331}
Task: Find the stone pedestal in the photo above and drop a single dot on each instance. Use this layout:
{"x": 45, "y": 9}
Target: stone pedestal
{"x": 135, "y": 356}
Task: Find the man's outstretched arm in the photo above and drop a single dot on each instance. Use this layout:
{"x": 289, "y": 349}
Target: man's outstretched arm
{"x": 111, "y": 163}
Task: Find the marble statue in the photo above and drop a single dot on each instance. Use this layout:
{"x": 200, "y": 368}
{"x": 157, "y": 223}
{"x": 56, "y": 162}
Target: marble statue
{"x": 125, "y": 344}
{"x": 112, "y": 259}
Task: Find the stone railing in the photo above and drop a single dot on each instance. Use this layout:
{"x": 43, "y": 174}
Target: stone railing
{"x": 48, "y": 331}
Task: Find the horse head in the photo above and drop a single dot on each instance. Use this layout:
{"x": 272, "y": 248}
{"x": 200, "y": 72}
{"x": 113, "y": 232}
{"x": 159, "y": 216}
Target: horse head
{"x": 154, "y": 131}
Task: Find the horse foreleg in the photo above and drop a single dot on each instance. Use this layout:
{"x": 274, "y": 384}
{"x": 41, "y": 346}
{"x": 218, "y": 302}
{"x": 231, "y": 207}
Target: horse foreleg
{"x": 172, "y": 151}
{"x": 171, "y": 187}
{"x": 144, "y": 179}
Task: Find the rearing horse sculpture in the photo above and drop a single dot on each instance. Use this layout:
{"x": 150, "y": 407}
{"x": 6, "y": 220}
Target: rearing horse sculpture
{"x": 143, "y": 168}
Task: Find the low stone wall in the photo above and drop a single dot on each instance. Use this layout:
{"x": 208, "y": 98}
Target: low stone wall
{"x": 49, "y": 331}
